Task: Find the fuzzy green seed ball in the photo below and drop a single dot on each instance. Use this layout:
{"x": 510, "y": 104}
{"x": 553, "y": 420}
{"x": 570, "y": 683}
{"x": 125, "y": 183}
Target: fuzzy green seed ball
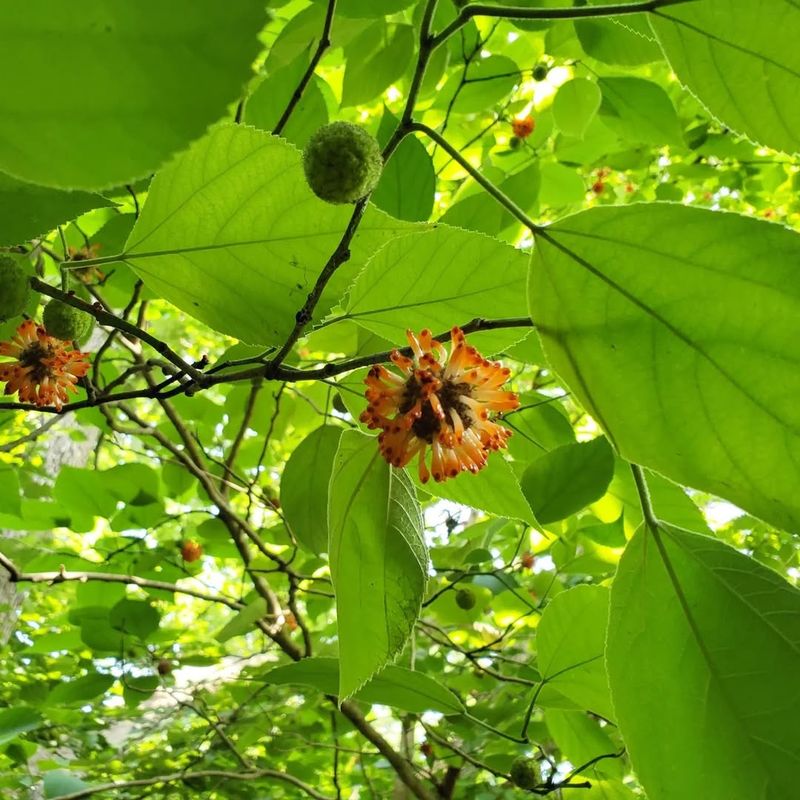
{"x": 342, "y": 163}
{"x": 524, "y": 773}
{"x": 67, "y": 323}
{"x": 14, "y": 288}
{"x": 465, "y": 598}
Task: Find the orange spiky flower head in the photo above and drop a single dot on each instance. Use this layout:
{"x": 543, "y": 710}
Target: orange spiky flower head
{"x": 439, "y": 403}
{"x": 44, "y": 368}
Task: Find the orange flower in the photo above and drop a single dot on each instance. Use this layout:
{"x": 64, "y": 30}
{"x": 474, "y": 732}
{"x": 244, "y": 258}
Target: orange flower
{"x": 523, "y": 126}
{"x": 45, "y": 368}
{"x": 439, "y": 403}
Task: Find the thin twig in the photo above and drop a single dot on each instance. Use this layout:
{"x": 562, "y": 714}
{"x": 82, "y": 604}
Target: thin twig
{"x": 322, "y": 46}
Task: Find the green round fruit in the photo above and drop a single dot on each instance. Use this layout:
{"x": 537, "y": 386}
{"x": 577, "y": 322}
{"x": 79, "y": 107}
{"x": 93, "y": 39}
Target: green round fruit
{"x": 15, "y": 288}
{"x": 525, "y": 773}
{"x": 540, "y": 72}
{"x": 465, "y": 598}
{"x": 515, "y": 142}
{"x": 342, "y": 163}
{"x": 67, "y": 323}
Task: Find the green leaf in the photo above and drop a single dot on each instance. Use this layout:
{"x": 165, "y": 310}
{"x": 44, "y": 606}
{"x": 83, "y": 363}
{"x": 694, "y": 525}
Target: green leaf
{"x": 232, "y": 235}
{"x": 378, "y": 559}
{"x": 494, "y": 489}
{"x": 482, "y": 213}
{"x": 437, "y": 279}
{"x": 137, "y": 689}
{"x": 80, "y": 690}
{"x": 136, "y": 617}
{"x": 27, "y": 210}
{"x": 269, "y": 99}
{"x": 489, "y": 80}
{"x": 60, "y": 782}
{"x": 570, "y": 641}
{"x": 742, "y": 63}
{"x": 639, "y": 110}
{"x": 567, "y": 479}
{"x": 637, "y": 323}
{"x": 78, "y": 490}
{"x": 125, "y": 86}
{"x": 17, "y": 720}
{"x": 581, "y": 739}
{"x": 376, "y": 58}
{"x": 243, "y": 621}
{"x": 704, "y": 647}
{"x": 304, "y": 487}
{"x": 407, "y": 183}
{"x": 393, "y": 686}
{"x": 561, "y": 186}
{"x": 538, "y": 427}
{"x": 10, "y": 500}
{"x": 671, "y": 502}
{"x": 575, "y": 105}
{"x": 614, "y": 43}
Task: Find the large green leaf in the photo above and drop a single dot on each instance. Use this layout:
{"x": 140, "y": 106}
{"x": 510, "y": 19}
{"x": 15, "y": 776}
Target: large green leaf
{"x": 120, "y": 87}
{"x": 567, "y": 479}
{"x": 408, "y": 183}
{"x": 135, "y": 617}
{"x": 741, "y": 60}
{"x": 580, "y": 739}
{"x": 232, "y": 235}
{"x": 639, "y": 110}
{"x": 480, "y": 212}
{"x": 393, "y": 686}
{"x": 637, "y": 321}
{"x": 575, "y": 105}
{"x": 304, "y": 487}
{"x": 60, "y": 782}
{"x": 17, "y": 720}
{"x": 489, "y": 80}
{"x": 269, "y": 100}
{"x": 375, "y": 59}
{"x": 437, "y": 279}
{"x": 570, "y": 641}
{"x": 614, "y": 43}
{"x": 80, "y": 690}
{"x": 378, "y": 558}
{"x": 704, "y": 648}
{"x": 27, "y": 210}
{"x": 243, "y": 621}
{"x": 494, "y": 489}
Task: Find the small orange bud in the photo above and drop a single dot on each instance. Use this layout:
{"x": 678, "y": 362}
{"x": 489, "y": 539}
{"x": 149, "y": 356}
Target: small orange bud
{"x": 523, "y": 126}
{"x": 598, "y": 187}
{"x": 191, "y": 551}
{"x": 527, "y": 560}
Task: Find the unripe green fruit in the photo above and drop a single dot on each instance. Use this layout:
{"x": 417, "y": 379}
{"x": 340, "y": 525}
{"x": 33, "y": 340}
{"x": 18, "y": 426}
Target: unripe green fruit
{"x": 525, "y": 773}
{"x": 14, "y": 288}
{"x": 342, "y": 163}
{"x": 514, "y": 142}
{"x": 540, "y": 72}
{"x": 67, "y": 323}
{"x": 465, "y": 598}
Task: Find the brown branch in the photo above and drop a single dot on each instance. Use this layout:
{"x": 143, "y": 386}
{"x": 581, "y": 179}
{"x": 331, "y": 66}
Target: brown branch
{"x": 62, "y": 576}
{"x": 105, "y": 317}
{"x": 322, "y": 46}
{"x": 574, "y": 12}
{"x": 183, "y": 777}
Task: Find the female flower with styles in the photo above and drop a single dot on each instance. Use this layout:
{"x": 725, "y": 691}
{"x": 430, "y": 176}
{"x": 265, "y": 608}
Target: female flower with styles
{"x": 44, "y": 368}
{"x": 441, "y": 403}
